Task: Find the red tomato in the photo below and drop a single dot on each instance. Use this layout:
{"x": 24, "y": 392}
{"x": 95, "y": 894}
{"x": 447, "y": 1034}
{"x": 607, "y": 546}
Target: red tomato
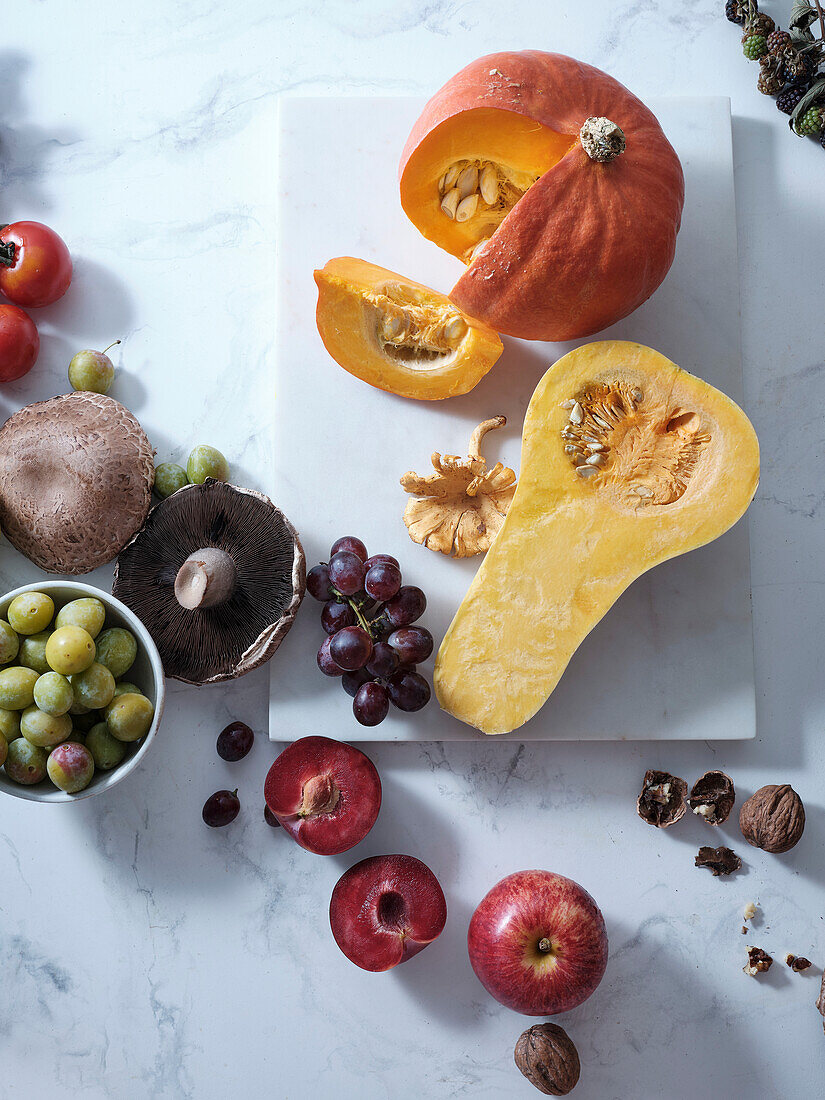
{"x": 19, "y": 343}
{"x": 35, "y": 265}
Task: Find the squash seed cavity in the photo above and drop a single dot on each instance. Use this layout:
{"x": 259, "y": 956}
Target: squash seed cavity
{"x": 409, "y": 327}
{"x": 638, "y": 449}
{"x": 482, "y": 192}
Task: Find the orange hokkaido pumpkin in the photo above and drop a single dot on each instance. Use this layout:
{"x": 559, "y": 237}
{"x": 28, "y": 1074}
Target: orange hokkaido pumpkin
{"x": 554, "y": 183}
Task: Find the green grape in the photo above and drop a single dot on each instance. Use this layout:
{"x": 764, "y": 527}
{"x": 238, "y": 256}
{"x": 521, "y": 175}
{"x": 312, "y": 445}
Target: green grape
{"x": 204, "y": 462}
{"x": 95, "y": 687}
{"x": 107, "y": 751}
{"x": 30, "y": 612}
{"x": 71, "y": 767}
{"x": 70, "y": 649}
{"x": 129, "y": 717}
{"x": 10, "y": 724}
{"x": 33, "y": 652}
{"x": 53, "y": 693}
{"x": 117, "y": 649}
{"x": 17, "y": 687}
{"x": 88, "y": 613}
{"x": 169, "y": 477}
{"x": 44, "y": 729}
{"x": 9, "y": 643}
{"x": 92, "y": 370}
{"x": 25, "y": 762}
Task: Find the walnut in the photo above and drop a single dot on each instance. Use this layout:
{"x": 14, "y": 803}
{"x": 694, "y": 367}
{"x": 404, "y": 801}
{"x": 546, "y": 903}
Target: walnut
{"x": 721, "y": 861}
{"x": 548, "y": 1058}
{"x": 712, "y": 797}
{"x": 460, "y": 508}
{"x": 758, "y": 962}
{"x": 662, "y": 801}
{"x": 798, "y": 963}
{"x": 773, "y": 819}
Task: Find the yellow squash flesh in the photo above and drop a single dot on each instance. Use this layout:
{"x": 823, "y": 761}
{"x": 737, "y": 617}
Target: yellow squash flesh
{"x": 679, "y": 466}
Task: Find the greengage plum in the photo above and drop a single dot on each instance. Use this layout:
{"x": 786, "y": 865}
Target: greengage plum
{"x": 30, "y": 612}
{"x": 25, "y": 762}
{"x": 205, "y": 461}
{"x": 70, "y": 767}
{"x": 169, "y": 477}
{"x": 9, "y": 643}
{"x": 129, "y": 717}
{"x": 94, "y": 687}
{"x": 116, "y": 649}
{"x": 44, "y": 729}
{"x": 17, "y": 687}
{"x": 33, "y": 652}
{"x": 10, "y": 724}
{"x": 88, "y": 613}
{"x": 70, "y": 650}
{"x": 53, "y": 693}
{"x": 106, "y": 750}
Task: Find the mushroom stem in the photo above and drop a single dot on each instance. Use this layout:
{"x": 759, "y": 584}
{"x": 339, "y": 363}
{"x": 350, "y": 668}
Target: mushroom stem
{"x": 205, "y": 579}
{"x": 481, "y": 431}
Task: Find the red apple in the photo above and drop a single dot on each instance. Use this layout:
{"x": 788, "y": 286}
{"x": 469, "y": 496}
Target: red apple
{"x": 325, "y": 794}
{"x": 386, "y": 909}
{"x": 537, "y": 943}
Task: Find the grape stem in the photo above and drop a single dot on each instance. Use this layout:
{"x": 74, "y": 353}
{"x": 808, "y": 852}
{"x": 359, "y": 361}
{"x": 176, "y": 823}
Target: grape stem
{"x": 363, "y": 622}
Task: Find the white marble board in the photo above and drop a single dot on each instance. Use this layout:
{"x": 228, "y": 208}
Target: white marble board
{"x": 674, "y": 658}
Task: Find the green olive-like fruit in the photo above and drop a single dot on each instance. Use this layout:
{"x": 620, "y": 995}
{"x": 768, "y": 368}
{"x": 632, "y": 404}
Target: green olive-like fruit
{"x": 17, "y": 687}
{"x": 33, "y": 652}
{"x": 9, "y": 643}
{"x": 30, "y": 612}
{"x": 71, "y": 767}
{"x": 53, "y": 693}
{"x": 70, "y": 649}
{"x": 107, "y": 751}
{"x": 44, "y": 729}
{"x": 10, "y": 724}
{"x": 116, "y": 649}
{"x": 204, "y": 462}
{"x": 129, "y": 717}
{"x": 25, "y": 762}
{"x": 94, "y": 688}
{"x": 88, "y": 613}
{"x": 169, "y": 477}
{"x": 92, "y": 370}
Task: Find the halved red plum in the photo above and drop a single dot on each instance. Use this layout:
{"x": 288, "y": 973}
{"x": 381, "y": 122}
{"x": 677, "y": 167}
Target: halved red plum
{"x": 325, "y": 794}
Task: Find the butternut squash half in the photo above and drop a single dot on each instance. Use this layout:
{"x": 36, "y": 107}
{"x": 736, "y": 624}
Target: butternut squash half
{"x": 626, "y": 461}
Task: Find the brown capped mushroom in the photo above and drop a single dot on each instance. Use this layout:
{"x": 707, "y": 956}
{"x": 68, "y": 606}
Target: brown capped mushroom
{"x": 76, "y": 476}
{"x": 460, "y": 508}
{"x": 217, "y": 575}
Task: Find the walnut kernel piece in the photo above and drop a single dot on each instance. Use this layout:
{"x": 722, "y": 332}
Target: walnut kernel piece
{"x": 798, "y": 963}
{"x": 460, "y": 508}
{"x": 749, "y": 912}
{"x": 712, "y": 797}
{"x": 721, "y": 861}
{"x": 548, "y": 1058}
{"x": 662, "y": 801}
{"x": 758, "y": 962}
{"x": 773, "y": 819}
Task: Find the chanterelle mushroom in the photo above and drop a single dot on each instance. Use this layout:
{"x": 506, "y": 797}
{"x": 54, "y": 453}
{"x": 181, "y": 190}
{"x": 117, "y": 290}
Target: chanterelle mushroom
{"x": 76, "y": 475}
{"x": 460, "y": 508}
{"x": 217, "y": 575}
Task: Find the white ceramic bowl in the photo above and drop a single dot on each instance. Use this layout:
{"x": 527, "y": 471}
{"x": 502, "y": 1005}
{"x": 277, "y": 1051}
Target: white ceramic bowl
{"x": 146, "y": 672}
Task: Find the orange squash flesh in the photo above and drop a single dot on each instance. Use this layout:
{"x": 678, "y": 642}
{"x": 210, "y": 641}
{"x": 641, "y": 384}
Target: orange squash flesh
{"x": 679, "y": 465}
{"x": 588, "y": 242}
{"x": 399, "y": 335}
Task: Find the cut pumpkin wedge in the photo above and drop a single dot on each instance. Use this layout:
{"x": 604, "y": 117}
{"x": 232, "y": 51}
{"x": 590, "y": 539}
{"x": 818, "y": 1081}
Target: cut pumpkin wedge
{"x": 398, "y": 335}
{"x": 626, "y": 461}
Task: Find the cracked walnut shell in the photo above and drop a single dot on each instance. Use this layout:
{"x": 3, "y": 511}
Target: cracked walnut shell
{"x": 548, "y": 1058}
{"x": 773, "y": 818}
{"x": 662, "y": 801}
{"x": 712, "y": 797}
{"x": 460, "y": 508}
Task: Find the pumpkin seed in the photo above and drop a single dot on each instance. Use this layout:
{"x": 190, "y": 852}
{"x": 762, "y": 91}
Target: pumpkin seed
{"x": 467, "y": 182}
{"x": 587, "y": 471}
{"x": 466, "y": 208}
{"x": 450, "y": 176}
{"x": 596, "y": 460}
{"x": 576, "y": 414}
{"x": 455, "y": 328}
{"x": 568, "y": 404}
{"x": 449, "y": 204}
{"x": 488, "y": 185}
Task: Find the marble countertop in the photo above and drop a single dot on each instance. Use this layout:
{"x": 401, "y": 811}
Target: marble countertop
{"x": 145, "y": 956}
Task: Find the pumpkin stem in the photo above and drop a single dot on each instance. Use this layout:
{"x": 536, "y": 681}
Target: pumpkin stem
{"x": 602, "y": 139}
{"x": 481, "y": 431}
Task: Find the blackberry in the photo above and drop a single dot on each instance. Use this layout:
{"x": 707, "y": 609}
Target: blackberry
{"x": 778, "y": 41}
{"x": 786, "y": 101}
{"x": 734, "y": 11}
{"x": 754, "y": 46}
{"x": 796, "y": 66}
{"x": 810, "y": 123}
{"x": 760, "y": 23}
{"x": 769, "y": 83}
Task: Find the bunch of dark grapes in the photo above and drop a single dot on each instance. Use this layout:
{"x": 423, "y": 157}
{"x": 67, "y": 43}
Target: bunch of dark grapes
{"x": 371, "y": 642}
